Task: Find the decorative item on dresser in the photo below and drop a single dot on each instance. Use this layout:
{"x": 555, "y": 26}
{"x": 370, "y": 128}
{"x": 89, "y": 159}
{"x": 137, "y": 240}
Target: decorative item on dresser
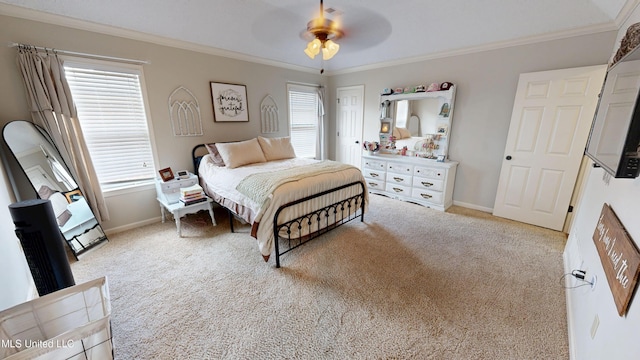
{"x": 413, "y": 179}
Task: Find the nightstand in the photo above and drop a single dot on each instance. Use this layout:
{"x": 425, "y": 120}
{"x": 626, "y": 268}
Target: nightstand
{"x": 179, "y": 210}
{"x": 168, "y": 194}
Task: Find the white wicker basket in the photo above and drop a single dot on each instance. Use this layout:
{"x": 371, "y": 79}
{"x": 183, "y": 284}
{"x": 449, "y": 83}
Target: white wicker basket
{"x": 72, "y": 323}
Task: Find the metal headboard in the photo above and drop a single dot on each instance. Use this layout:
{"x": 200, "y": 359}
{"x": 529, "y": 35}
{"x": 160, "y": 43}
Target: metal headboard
{"x": 196, "y": 156}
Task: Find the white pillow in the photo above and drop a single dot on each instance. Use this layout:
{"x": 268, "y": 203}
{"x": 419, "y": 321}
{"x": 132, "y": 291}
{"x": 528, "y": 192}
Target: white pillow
{"x": 241, "y": 153}
{"x": 277, "y": 148}
{"x": 59, "y": 203}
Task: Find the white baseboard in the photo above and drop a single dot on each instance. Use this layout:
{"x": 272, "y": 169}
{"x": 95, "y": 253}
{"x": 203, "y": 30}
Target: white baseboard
{"x": 568, "y": 297}
{"x": 138, "y": 224}
{"x": 473, "y": 206}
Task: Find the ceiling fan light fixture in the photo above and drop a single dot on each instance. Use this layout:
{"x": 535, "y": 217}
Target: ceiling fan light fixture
{"x": 324, "y": 32}
{"x": 329, "y": 49}
{"x": 313, "y": 48}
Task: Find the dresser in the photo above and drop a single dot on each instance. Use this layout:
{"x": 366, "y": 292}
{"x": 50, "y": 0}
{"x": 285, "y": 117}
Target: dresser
{"x": 413, "y": 179}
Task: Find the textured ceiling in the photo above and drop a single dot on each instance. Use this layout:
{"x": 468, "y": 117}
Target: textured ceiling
{"x": 376, "y": 31}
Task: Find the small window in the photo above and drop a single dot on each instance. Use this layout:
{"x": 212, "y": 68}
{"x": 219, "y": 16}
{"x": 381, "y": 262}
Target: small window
{"x": 113, "y": 117}
{"x": 303, "y": 119}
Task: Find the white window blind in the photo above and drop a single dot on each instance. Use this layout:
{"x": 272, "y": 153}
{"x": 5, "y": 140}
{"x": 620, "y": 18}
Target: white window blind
{"x": 112, "y": 115}
{"x": 303, "y": 119}
{"x": 402, "y": 113}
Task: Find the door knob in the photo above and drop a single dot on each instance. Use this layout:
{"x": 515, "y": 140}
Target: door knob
{"x": 508, "y": 157}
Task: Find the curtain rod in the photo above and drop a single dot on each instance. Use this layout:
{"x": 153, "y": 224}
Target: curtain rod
{"x": 85, "y": 55}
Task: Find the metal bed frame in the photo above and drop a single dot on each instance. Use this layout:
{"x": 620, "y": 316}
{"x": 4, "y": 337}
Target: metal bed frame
{"x": 326, "y": 218}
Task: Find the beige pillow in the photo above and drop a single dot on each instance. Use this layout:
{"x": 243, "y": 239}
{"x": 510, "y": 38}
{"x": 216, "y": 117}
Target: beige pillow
{"x": 396, "y": 133}
{"x": 241, "y": 153}
{"x": 276, "y": 148}
{"x": 404, "y": 133}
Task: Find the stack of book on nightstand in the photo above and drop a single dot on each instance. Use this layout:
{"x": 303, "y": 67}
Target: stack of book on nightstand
{"x": 192, "y": 195}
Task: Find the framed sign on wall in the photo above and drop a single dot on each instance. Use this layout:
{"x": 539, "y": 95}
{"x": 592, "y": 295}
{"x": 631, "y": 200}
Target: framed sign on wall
{"x": 229, "y": 102}
{"x": 619, "y": 256}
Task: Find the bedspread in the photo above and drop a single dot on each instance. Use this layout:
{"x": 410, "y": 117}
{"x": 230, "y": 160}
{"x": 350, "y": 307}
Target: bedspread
{"x": 221, "y": 184}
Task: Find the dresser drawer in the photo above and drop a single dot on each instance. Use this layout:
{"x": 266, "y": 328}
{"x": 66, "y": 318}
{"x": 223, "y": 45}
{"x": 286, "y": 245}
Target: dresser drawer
{"x": 374, "y": 184}
{"x": 400, "y": 168}
{"x": 374, "y": 164}
{"x": 431, "y": 196}
{"x": 395, "y": 189}
{"x": 430, "y": 172}
{"x": 399, "y": 179}
{"x": 427, "y": 183}
{"x": 374, "y": 174}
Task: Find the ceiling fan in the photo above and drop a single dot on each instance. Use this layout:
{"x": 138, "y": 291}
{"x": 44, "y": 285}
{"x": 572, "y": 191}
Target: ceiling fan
{"x": 323, "y": 32}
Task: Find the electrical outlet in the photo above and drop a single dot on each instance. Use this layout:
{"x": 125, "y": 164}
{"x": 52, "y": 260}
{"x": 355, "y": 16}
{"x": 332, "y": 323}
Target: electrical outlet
{"x": 594, "y": 326}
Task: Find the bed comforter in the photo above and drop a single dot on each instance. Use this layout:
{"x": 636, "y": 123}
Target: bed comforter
{"x": 221, "y": 184}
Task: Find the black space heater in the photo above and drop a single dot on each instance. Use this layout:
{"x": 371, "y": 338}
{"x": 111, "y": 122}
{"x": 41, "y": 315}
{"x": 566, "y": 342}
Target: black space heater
{"x": 43, "y": 245}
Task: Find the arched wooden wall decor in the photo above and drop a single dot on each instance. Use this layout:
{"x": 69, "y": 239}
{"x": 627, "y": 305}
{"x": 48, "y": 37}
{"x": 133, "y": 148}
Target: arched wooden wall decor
{"x": 184, "y": 111}
{"x": 269, "y": 115}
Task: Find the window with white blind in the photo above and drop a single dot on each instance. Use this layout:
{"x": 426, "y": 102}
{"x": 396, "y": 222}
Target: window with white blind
{"x": 112, "y": 114}
{"x": 303, "y": 119}
{"x": 402, "y": 113}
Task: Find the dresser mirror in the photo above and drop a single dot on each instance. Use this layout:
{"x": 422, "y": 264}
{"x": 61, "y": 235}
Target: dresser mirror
{"x": 43, "y": 166}
{"x": 420, "y": 121}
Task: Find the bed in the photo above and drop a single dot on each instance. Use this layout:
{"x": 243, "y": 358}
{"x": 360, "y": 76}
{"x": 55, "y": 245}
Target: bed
{"x": 288, "y": 201}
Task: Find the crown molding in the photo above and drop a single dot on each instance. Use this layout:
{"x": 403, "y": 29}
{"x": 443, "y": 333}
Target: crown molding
{"x": 48, "y": 18}
{"x": 627, "y": 9}
{"x": 29, "y": 14}
{"x": 559, "y": 35}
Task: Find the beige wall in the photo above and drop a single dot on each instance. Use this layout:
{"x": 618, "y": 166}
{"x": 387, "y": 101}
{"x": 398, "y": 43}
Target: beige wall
{"x": 486, "y": 84}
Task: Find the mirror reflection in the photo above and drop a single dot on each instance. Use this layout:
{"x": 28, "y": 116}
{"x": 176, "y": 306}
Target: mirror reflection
{"x": 419, "y": 121}
{"x": 42, "y": 164}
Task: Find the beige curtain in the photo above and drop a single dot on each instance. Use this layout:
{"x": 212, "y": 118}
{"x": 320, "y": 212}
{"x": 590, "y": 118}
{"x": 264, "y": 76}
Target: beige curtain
{"x": 52, "y": 108}
{"x": 322, "y": 141}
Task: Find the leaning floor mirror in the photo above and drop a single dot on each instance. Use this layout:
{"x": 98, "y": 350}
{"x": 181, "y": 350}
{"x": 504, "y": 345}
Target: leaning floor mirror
{"x": 42, "y": 164}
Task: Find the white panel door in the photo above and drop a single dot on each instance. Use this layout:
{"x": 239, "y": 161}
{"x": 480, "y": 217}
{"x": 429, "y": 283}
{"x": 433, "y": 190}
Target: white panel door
{"x": 349, "y": 119}
{"x": 550, "y": 124}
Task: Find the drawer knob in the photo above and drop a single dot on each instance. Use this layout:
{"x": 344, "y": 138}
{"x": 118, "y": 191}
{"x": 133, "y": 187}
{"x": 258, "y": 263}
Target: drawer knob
{"x": 374, "y": 175}
{"x": 373, "y": 184}
{"x": 426, "y": 196}
{"x": 427, "y": 184}
{"x": 397, "y": 190}
{"x": 398, "y": 179}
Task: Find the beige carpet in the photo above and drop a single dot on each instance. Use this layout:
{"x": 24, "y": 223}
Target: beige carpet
{"x": 408, "y": 283}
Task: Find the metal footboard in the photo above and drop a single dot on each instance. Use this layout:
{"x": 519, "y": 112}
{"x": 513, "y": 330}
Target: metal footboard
{"x": 326, "y": 219}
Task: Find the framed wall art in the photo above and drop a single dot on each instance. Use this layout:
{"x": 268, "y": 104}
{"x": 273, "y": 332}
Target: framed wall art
{"x": 229, "y": 102}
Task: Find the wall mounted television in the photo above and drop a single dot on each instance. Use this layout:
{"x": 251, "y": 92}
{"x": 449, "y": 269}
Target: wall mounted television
{"x": 615, "y": 133}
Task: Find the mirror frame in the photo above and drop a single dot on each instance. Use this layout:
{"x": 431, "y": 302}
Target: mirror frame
{"x": 388, "y": 107}
{"x": 91, "y": 235}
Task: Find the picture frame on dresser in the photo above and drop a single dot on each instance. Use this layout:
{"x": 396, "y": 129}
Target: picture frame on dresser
{"x": 166, "y": 174}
